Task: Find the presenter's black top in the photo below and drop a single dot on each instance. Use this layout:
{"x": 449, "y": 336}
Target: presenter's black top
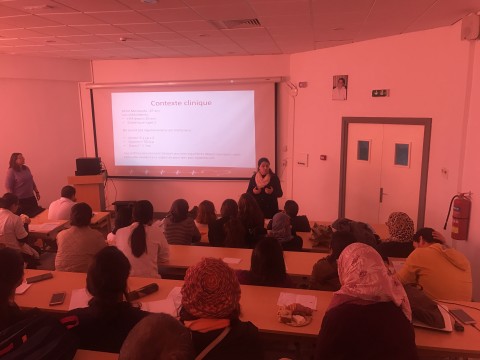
{"x": 268, "y": 202}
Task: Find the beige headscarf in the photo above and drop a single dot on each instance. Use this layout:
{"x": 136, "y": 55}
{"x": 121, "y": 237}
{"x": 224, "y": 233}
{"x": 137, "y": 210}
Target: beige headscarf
{"x": 364, "y": 276}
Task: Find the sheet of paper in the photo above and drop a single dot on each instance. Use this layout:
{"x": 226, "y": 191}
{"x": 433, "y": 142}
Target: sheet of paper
{"x": 290, "y": 298}
{"x": 45, "y": 227}
{"x": 397, "y": 264}
{"x": 166, "y": 306}
{"x": 80, "y": 299}
{"x": 229, "y": 260}
{"x": 176, "y": 296}
{"x": 22, "y": 288}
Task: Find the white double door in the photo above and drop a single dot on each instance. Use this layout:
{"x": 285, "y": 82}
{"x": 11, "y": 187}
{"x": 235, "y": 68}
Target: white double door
{"x": 383, "y": 172}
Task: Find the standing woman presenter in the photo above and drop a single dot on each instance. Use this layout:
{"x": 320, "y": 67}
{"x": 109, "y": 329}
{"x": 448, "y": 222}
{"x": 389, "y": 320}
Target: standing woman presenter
{"x": 265, "y": 188}
{"x": 19, "y": 181}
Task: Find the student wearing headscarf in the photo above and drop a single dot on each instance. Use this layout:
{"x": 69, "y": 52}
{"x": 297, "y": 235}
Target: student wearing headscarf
{"x": 211, "y": 310}
{"x": 265, "y": 188}
{"x": 370, "y": 316}
{"x": 324, "y": 273}
{"x": 282, "y": 231}
{"x": 400, "y": 243}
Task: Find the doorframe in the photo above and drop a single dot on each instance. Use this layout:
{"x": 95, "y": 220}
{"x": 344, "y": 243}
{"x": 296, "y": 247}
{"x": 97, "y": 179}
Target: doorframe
{"x": 427, "y": 125}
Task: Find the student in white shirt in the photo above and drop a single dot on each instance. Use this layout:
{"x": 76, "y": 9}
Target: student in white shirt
{"x": 143, "y": 242}
{"x": 60, "y": 209}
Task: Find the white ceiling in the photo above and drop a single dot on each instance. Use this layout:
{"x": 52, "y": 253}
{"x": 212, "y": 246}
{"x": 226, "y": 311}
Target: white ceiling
{"x": 132, "y": 29}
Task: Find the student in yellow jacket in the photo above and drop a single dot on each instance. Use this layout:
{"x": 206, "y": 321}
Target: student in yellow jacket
{"x": 442, "y": 272}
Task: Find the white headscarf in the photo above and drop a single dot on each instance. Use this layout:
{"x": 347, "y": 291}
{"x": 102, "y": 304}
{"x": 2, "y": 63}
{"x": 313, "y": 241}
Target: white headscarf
{"x": 363, "y": 275}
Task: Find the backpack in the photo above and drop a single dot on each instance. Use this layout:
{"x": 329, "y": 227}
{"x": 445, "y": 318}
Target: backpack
{"x": 41, "y": 337}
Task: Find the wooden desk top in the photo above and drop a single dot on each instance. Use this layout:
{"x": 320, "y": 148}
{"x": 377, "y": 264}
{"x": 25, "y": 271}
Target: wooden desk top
{"x": 94, "y": 355}
{"x": 261, "y": 313}
{"x": 184, "y": 256}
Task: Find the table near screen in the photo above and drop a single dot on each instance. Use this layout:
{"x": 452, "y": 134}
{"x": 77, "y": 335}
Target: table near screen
{"x": 261, "y": 313}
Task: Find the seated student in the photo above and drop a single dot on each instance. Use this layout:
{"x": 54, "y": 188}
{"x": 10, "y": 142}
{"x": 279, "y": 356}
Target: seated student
{"x": 106, "y": 322}
{"x": 442, "y": 272}
{"x": 78, "y": 245}
{"x": 206, "y": 213}
{"x": 400, "y": 243}
{"x": 216, "y": 230}
{"x": 158, "y": 337}
{"x": 12, "y": 230}
{"x": 370, "y": 316}
{"x": 142, "y": 243}
{"x": 211, "y": 307}
{"x": 60, "y": 209}
{"x": 123, "y": 218}
{"x": 299, "y": 223}
{"x": 282, "y": 231}
{"x": 251, "y": 218}
{"x": 324, "y": 273}
{"x": 363, "y": 232}
{"x": 178, "y": 227}
{"x": 267, "y": 266}
{"x": 11, "y": 276}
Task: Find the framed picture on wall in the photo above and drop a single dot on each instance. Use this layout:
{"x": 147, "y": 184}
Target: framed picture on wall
{"x": 340, "y": 85}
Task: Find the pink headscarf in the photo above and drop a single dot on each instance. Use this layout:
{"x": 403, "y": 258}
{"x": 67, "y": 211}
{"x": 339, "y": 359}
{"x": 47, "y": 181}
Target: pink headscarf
{"x": 365, "y": 279}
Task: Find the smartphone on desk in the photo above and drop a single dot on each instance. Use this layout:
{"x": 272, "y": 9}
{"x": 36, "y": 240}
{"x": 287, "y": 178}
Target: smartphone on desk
{"x": 37, "y": 278}
{"x": 463, "y": 316}
{"x": 57, "y": 298}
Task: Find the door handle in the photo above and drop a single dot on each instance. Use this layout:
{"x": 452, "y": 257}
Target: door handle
{"x": 382, "y": 194}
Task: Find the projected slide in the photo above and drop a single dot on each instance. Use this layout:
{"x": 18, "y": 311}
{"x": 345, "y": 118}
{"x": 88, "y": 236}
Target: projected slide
{"x": 186, "y": 129}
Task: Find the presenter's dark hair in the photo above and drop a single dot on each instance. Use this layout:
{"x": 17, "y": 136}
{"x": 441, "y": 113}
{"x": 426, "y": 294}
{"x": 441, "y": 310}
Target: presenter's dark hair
{"x": 262, "y": 160}
{"x": 13, "y": 162}
{"x": 68, "y": 191}
{"x": 267, "y": 265}
{"x": 81, "y": 215}
{"x": 11, "y": 275}
{"x": 107, "y": 276}
{"x": 179, "y": 210}
{"x": 8, "y": 200}
{"x": 143, "y": 214}
{"x": 291, "y": 208}
{"x": 229, "y": 208}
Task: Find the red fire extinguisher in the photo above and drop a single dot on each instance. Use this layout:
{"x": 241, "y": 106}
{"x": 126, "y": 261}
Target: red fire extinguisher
{"x": 460, "y": 216}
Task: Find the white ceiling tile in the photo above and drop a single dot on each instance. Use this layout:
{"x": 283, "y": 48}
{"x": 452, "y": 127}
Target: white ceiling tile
{"x": 84, "y": 39}
{"x": 14, "y": 42}
{"x": 129, "y": 36}
{"x": 48, "y": 40}
{"x": 163, "y": 4}
{"x": 99, "y": 29}
{"x": 19, "y": 33}
{"x": 180, "y": 26}
{"x": 121, "y": 17}
{"x": 38, "y": 6}
{"x": 171, "y": 36}
{"x": 26, "y": 21}
{"x": 61, "y": 30}
{"x": 225, "y": 11}
{"x": 194, "y": 50}
{"x": 193, "y": 3}
{"x": 93, "y": 5}
{"x": 278, "y": 8}
{"x": 143, "y": 28}
{"x": 73, "y": 19}
{"x": 171, "y": 15}
{"x": 8, "y": 11}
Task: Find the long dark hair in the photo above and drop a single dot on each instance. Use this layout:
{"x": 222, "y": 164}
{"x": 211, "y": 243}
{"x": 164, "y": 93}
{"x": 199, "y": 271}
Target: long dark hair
{"x": 11, "y": 273}
{"x": 267, "y": 265}
{"x": 229, "y": 208}
{"x": 179, "y": 210}
{"x": 13, "y": 162}
{"x": 249, "y": 212}
{"x": 143, "y": 214}
{"x": 107, "y": 276}
{"x": 206, "y": 212}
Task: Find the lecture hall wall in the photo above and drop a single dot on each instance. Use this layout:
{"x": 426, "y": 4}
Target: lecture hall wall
{"x": 430, "y": 74}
